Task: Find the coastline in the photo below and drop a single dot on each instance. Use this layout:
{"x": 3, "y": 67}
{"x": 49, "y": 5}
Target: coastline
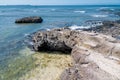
{"x": 78, "y": 52}
{"x": 87, "y": 53}
{"x": 91, "y": 51}
{"x": 111, "y": 28}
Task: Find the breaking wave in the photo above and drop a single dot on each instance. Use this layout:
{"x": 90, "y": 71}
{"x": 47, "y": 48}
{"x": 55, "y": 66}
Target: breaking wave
{"x": 76, "y": 27}
{"x": 98, "y": 15}
{"x": 79, "y": 11}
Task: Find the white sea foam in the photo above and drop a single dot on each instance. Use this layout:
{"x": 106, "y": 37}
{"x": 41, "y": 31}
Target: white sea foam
{"x": 48, "y": 29}
{"x": 53, "y": 9}
{"x": 103, "y": 8}
{"x": 31, "y": 43}
{"x": 34, "y": 10}
{"x": 75, "y": 27}
{"x": 26, "y": 34}
{"x": 99, "y": 15}
{"x": 79, "y": 11}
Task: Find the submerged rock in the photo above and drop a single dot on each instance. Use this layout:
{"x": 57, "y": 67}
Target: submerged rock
{"x": 34, "y": 19}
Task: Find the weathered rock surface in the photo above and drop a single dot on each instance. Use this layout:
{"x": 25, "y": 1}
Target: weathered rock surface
{"x": 54, "y": 40}
{"x": 90, "y": 65}
{"x": 95, "y": 56}
{"x": 34, "y": 19}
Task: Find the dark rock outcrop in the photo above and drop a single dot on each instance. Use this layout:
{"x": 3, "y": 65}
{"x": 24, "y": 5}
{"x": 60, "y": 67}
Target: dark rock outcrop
{"x": 33, "y": 19}
{"x": 55, "y": 40}
{"x": 108, "y": 28}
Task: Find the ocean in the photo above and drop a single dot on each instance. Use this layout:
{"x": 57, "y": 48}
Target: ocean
{"x": 13, "y": 37}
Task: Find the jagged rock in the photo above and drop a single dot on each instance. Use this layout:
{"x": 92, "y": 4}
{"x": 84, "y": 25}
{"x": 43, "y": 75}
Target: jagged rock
{"x": 54, "y": 40}
{"x": 66, "y": 39}
{"x": 34, "y": 19}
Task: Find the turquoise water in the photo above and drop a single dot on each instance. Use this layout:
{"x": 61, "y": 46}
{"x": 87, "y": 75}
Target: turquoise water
{"x": 13, "y": 36}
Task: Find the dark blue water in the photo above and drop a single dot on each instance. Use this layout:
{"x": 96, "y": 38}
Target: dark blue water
{"x": 12, "y": 35}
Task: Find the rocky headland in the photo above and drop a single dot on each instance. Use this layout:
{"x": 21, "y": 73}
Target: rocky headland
{"x": 95, "y": 56}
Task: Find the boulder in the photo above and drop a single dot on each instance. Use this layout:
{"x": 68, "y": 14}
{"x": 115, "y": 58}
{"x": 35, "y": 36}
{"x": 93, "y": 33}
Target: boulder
{"x": 53, "y": 40}
{"x": 33, "y": 19}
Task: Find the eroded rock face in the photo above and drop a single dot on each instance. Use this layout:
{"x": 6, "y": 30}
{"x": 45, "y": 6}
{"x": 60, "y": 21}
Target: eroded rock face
{"x": 58, "y": 40}
{"x": 66, "y": 39}
{"x": 95, "y": 56}
{"x": 34, "y": 19}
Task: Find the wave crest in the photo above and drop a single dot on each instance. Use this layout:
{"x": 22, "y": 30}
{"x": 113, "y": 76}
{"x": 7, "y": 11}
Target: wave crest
{"x": 79, "y": 11}
{"x": 98, "y": 15}
{"x": 53, "y": 9}
{"x": 76, "y": 27}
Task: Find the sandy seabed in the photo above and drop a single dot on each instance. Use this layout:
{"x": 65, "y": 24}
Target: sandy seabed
{"x": 49, "y": 66}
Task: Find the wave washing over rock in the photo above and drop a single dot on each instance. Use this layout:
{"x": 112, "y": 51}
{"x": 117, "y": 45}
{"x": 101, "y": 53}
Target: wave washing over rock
{"x": 111, "y": 28}
{"x": 95, "y": 56}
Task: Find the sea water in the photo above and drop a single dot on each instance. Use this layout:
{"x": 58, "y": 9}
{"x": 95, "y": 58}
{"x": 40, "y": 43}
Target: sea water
{"x": 13, "y": 36}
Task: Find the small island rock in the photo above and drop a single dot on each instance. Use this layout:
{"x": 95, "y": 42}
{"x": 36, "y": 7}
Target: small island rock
{"x": 33, "y": 19}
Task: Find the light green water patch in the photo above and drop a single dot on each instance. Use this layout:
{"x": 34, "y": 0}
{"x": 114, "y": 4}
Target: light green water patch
{"x": 17, "y": 66}
{"x": 50, "y": 65}
{"x": 29, "y": 65}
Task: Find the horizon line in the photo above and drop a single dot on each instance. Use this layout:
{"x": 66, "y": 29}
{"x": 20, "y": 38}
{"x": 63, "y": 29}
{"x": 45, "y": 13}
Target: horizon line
{"x": 60, "y": 5}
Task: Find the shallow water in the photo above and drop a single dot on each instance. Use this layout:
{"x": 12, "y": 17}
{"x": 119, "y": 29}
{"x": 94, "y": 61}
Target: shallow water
{"x": 31, "y": 65}
{"x": 50, "y": 65}
{"x": 13, "y": 36}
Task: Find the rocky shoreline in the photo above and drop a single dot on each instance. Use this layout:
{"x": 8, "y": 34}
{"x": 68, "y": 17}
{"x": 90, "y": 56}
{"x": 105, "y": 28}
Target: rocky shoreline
{"x": 96, "y": 56}
{"x": 111, "y": 28}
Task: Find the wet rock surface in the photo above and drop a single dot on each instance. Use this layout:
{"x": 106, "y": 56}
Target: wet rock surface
{"x": 95, "y": 56}
{"x": 33, "y": 19}
{"x": 108, "y": 28}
